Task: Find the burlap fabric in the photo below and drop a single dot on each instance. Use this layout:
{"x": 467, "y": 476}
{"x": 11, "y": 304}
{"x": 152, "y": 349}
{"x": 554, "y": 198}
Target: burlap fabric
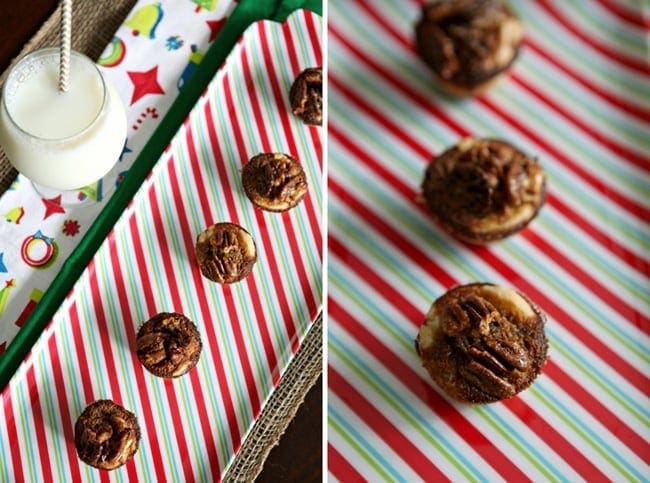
{"x": 101, "y": 20}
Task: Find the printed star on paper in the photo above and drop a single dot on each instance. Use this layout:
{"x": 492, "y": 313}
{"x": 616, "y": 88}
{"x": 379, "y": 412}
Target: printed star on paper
{"x": 3, "y": 268}
{"x": 52, "y": 206}
{"x": 215, "y": 27}
{"x": 145, "y": 83}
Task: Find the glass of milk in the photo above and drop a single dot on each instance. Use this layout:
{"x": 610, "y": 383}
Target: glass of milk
{"x": 61, "y": 140}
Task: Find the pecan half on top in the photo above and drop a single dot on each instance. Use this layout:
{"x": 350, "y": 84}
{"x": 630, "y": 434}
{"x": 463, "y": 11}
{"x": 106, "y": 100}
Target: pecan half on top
{"x": 467, "y": 43}
{"x": 306, "y": 96}
{"x": 106, "y": 435}
{"x": 225, "y": 252}
{"x": 274, "y": 181}
{"x": 483, "y": 190}
{"x": 168, "y": 345}
{"x": 482, "y": 343}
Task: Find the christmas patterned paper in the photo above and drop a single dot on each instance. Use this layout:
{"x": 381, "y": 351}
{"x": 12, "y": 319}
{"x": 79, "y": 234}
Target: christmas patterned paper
{"x": 148, "y": 60}
{"x": 191, "y": 426}
{"x": 578, "y": 98}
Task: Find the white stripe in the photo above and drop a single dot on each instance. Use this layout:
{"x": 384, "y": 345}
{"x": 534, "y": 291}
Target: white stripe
{"x": 392, "y": 455}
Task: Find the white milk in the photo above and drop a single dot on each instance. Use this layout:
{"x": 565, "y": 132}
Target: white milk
{"x": 61, "y": 140}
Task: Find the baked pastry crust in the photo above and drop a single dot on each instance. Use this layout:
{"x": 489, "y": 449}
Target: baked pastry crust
{"x": 482, "y": 343}
{"x": 482, "y": 190}
{"x": 168, "y": 345}
{"x": 106, "y": 435}
{"x": 225, "y": 252}
{"x": 468, "y": 43}
{"x": 306, "y": 96}
{"x": 274, "y": 181}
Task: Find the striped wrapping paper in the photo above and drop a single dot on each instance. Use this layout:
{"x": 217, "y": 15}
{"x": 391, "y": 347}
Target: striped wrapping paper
{"x": 191, "y": 427}
{"x": 578, "y": 97}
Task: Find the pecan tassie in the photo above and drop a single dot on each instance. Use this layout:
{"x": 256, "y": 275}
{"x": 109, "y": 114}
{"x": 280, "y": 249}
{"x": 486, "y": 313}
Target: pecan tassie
{"x": 274, "y": 181}
{"x": 225, "y": 252}
{"x": 483, "y": 190}
{"x": 482, "y": 343}
{"x": 168, "y": 345}
{"x": 468, "y": 43}
{"x": 306, "y": 96}
{"x": 106, "y": 435}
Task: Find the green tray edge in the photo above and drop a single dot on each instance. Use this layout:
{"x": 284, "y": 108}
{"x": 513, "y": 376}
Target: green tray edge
{"x": 246, "y": 13}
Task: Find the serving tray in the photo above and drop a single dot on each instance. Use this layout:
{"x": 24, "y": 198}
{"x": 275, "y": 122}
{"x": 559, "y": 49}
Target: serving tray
{"x": 193, "y": 426}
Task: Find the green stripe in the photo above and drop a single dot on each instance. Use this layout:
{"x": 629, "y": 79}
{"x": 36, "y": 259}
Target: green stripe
{"x": 470, "y": 109}
{"x": 379, "y": 391}
{"x": 379, "y": 319}
{"x": 333, "y": 425}
{"x": 599, "y": 208}
{"x": 387, "y": 150}
{"x": 49, "y": 401}
{"x": 424, "y": 233}
{"x": 595, "y": 25}
{"x": 571, "y": 424}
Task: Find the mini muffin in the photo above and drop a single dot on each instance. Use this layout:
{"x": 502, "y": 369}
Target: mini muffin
{"x": 225, "y": 252}
{"x": 482, "y": 343}
{"x": 168, "y": 345}
{"x": 306, "y": 96}
{"x": 106, "y": 435}
{"x": 482, "y": 190}
{"x": 274, "y": 181}
{"x": 468, "y": 43}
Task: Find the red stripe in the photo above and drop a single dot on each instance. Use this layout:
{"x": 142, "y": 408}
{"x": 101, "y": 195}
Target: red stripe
{"x": 628, "y": 204}
{"x": 607, "y": 191}
{"x": 639, "y": 160}
{"x": 85, "y": 379}
{"x": 64, "y": 410}
{"x": 126, "y": 314}
{"x": 611, "y": 421}
{"x": 271, "y": 358}
{"x": 627, "y": 311}
{"x": 12, "y": 434}
{"x": 627, "y": 106}
{"x": 611, "y": 98}
{"x": 340, "y": 468}
{"x": 105, "y": 338}
{"x": 613, "y": 300}
{"x": 422, "y": 389}
{"x": 634, "y": 17}
{"x": 314, "y": 131}
{"x": 147, "y": 293}
{"x": 314, "y": 40}
{"x": 197, "y": 280}
{"x": 625, "y": 154}
{"x": 560, "y": 17}
{"x": 235, "y": 320}
{"x": 283, "y": 114}
{"x": 448, "y": 412}
{"x": 617, "y": 427}
{"x": 39, "y": 425}
{"x": 600, "y": 349}
{"x": 289, "y": 323}
{"x": 606, "y": 241}
{"x": 384, "y": 428}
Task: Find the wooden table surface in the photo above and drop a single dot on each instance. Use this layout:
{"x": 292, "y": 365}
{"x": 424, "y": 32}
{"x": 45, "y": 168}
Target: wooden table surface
{"x": 298, "y": 456}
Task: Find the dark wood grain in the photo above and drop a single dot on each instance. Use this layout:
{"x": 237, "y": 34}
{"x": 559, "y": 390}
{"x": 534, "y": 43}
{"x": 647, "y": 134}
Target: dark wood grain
{"x": 298, "y": 456}
{"x": 19, "y": 21}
